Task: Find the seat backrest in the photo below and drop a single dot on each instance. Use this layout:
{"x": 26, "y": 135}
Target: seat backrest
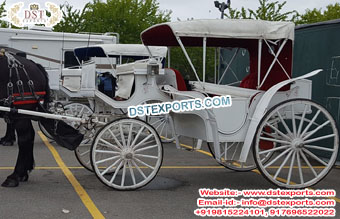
{"x": 181, "y": 86}
{"x": 173, "y": 78}
{"x": 276, "y": 74}
{"x": 168, "y": 78}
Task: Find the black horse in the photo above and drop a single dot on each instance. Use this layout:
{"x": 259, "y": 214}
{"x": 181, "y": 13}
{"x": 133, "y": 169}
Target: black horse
{"x": 30, "y": 87}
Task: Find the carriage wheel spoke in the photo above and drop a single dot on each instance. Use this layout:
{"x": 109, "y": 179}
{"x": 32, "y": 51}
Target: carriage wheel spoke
{"x": 116, "y": 171}
{"x": 291, "y": 167}
{"x": 299, "y": 167}
{"x": 274, "y": 149}
{"x": 132, "y": 173}
{"x": 139, "y": 170}
{"x": 278, "y": 157}
{"x": 122, "y": 136}
{"x": 115, "y": 138}
{"x": 314, "y": 156}
{"x": 233, "y": 156}
{"x": 110, "y": 167}
{"x": 279, "y": 132}
{"x": 108, "y": 144}
{"x": 319, "y": 138}
{"x": 284, "y": 123}
{"x": 315, "y": 130}
{"x": 301, "y": 121}
{"x": 270, "y": 134}
{"x": 146, "y": 156}
{"x": 146, "y": 148}
{"x": 123, "y": 175}
{"x": 164, "y": 125}
{"x": 107, "y": 159}
{"x": 166, "y": 132}
{"x": 137, "y": 136}
{"x": 224, "y": 153}
{"x": 155, "y": 122}
{"x": 274, "y": 140}
{"x": 107, "y": 152}
{"x": 143, "y": 163}
{"x": 230, "y": 146}
{"x": 142, "y": 141}
{"x": 293, "y": 121}
{"x": 311, "y": 122}
{"x": 308, "y": 163}
{"x": 130, "y": 135}
{"x": 319, "y": 148}
{"x": 84, "y": 153}
{"x": 81, "y": 110}
{"x": 160, "y": 123}
{"x": 282, "y": 164}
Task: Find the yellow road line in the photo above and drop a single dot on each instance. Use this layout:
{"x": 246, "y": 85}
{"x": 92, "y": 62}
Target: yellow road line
{"x": 85, "y": 198}
{"x": 201, "y": 151}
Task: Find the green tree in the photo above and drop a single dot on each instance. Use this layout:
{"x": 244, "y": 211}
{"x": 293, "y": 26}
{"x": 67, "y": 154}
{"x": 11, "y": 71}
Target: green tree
{"x": 3, "y": 14}
{"x": 317, "y": 15}
{"x": 271, "y": 11}
{"x": 127, "y": 17}
{"x": 72, "y": 21}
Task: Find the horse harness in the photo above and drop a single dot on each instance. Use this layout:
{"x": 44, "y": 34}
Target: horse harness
{"x": 22, "y": 97}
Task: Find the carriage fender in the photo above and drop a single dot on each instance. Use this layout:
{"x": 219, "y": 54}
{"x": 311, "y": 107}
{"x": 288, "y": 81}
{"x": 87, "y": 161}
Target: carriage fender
{"x": 261, "y": 109}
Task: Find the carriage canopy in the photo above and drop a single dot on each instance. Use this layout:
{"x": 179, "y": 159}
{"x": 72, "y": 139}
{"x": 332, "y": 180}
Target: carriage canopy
{"x": 269, "y": 43}
{"x": 165, "y": 34}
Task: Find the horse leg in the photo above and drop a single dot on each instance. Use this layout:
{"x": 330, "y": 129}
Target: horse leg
{"x": 25, "y": 160}
{"x": 9, "y": 137}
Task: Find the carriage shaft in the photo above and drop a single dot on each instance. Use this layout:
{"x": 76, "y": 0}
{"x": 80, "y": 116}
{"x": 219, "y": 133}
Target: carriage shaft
{"x": 45, "y": 115}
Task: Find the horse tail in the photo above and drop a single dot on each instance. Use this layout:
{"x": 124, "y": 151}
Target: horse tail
{"x": 47, "y": 86}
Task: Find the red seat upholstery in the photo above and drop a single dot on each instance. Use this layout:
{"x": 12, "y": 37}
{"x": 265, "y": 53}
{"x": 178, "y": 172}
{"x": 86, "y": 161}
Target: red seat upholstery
{"x": 276, "y": 74}
{"x": 180, "y": 81}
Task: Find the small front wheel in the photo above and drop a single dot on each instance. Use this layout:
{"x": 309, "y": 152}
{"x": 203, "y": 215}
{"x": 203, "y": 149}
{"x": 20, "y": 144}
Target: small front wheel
{"x": 126, "y": 154}
{"x": 82, "y": 152}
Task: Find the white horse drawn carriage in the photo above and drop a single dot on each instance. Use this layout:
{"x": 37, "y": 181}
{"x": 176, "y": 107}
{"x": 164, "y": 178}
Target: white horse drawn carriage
{"x": 272, "y": 124}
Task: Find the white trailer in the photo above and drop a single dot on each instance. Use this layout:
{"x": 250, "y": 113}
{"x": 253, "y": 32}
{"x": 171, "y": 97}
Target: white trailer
{"x": 53, "y": 50}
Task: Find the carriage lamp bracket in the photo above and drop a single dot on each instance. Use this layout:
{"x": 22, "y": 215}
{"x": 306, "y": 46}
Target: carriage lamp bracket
{"x": 153, "y": 69}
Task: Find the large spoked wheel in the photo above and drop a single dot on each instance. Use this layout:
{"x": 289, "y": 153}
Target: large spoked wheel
{"x": 126, "y": 154}
{"x": 307, "y": 144}
{"x": 82, "y": 152}
{"x": 162, "y": 124}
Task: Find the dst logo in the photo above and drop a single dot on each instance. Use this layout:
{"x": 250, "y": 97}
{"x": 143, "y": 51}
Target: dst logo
{"x": 34, "y": 14}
